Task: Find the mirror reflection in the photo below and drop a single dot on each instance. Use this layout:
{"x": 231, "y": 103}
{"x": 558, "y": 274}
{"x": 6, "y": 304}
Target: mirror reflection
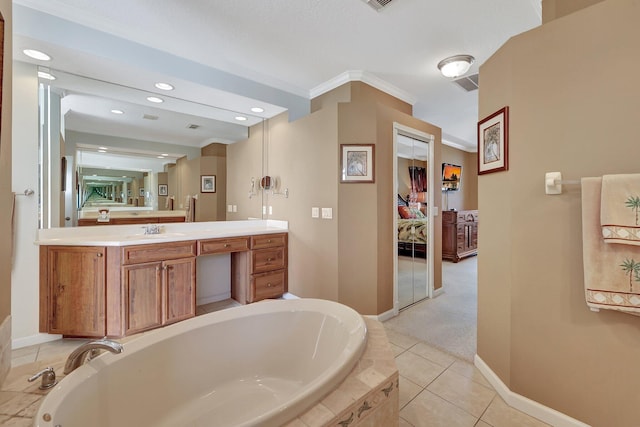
{"x": 130, "y": 156}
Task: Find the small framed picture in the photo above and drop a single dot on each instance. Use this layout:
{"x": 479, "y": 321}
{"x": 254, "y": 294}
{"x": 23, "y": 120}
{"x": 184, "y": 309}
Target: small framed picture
{"x": 207, "y": 183}
{"x": 142, "y": 192}
{"x": 493, "y": 142}
{"x": 163, "y": 190}
{"x": 357, "y": 163}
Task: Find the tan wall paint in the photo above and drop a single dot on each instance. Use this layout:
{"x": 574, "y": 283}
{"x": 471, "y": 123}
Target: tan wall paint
{"x": 534, "y": 328}
{"x": 554, "y": 9}
{"x": 5, "y": 186}
{"x": 467, "y": 197}
{"x": 244, "y": 163}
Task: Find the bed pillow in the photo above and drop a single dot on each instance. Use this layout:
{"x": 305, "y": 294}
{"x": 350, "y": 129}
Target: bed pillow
{"x": 405, "y": 212}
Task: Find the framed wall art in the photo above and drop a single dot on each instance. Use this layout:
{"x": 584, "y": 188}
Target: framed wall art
{"x": 357, "y": 163}
{"x": 207, "y": 183}
{"x": 163, "y": 190}
{"x": 493, "y": 142}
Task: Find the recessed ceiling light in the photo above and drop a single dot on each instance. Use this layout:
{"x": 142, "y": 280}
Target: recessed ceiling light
{"x": 241, "y": 118}
{"x": 102, "y": 151}
{"x": 257, "y": 110}
{"x": 161, "y": 157}
{"x": 102, "y": 148}
{"x": 164, "y": 86}
{"x": 36, "y": 54}
{"x": 164, "y": 155}
{"x": 45, "y": 75}
{"x": 124, "y": 176}
{"x": 154, "y": 99}
{"x": 114, "y": 111}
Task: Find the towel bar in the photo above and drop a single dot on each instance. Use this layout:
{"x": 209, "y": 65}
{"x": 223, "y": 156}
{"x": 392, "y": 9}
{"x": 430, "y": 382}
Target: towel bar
{"x": 553, "y": 183}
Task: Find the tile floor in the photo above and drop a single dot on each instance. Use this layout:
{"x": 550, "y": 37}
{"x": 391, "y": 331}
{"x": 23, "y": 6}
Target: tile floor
{"x": 441, "y": 390}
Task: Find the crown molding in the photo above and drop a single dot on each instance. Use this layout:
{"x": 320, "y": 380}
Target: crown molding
{"x": 459, "y": 146}
{"x": 365, "y": 77}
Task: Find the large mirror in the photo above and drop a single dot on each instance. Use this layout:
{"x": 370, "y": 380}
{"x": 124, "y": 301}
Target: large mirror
{"x": 114, "y": 155}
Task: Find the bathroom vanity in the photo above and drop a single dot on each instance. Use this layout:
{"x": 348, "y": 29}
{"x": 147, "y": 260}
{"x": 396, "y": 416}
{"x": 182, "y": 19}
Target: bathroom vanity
{"x": 116, "y": 281}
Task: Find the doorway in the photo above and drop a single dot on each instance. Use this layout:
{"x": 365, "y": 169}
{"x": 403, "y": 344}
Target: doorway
{"x": 413, "y": 213}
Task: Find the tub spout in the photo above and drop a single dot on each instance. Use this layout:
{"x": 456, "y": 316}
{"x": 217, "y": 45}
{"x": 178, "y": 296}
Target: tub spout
{"x": 78, "y": 356}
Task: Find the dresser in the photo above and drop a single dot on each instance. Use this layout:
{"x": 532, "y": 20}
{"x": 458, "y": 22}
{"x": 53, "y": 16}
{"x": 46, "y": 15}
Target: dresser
{"x": 459, "y": 234}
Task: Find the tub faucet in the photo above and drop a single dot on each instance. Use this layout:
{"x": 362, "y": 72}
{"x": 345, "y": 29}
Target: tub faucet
{"x": 78, "y": 356}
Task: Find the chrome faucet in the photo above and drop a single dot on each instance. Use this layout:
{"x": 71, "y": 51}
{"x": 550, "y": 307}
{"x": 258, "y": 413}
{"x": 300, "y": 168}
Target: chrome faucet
{"x": 78, "y": 356}
{"x": 152, "y": 229}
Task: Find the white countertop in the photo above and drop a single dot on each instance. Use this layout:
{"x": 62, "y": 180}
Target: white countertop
{"x": 123, "y": 235}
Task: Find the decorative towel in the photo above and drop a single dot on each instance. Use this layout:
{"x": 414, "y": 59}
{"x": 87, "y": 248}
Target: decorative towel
{"x": 620, "y": 209}
{"x": 611, "y": 272}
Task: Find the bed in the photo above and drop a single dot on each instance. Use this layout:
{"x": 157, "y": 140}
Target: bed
{"x": 412, "y": 230}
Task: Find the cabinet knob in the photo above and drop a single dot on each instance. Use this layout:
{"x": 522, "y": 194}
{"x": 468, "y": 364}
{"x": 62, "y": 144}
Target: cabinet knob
{"x": 270, "y": 259}
{"x": 226, "y": 245}
{"x": 99, "y": 254}
{"x": 269, "y": 241}
{"x": 269, "y": 285}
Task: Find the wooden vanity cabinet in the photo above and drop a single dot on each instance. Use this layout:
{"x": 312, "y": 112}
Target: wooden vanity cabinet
{"x": 159, "y": 292}
{"x": 261, "y": 272}
{"x": 72, "y": 289}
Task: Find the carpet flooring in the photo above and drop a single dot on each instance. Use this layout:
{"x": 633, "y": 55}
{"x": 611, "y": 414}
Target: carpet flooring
{"x": 448, "y": 321}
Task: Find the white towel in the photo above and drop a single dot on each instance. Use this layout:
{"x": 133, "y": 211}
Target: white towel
{"x": 611, "y": 272}
{"x": 620, "y": 209}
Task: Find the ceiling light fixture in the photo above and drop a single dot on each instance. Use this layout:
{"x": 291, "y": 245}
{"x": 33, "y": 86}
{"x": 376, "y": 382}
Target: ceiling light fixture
{"x": 117, "y": 111}
{"x": 161, "y": 157}
{"x": 102, "y": 151}
{"x": 36, "y": 54}
{"x": 46, "y": 76}
{"x": 455, "y": 66}
{"x": 154, "y": 99}
{"x": 257, "y": 110}
{"x": 164, "y": 154}
{"x": 164, "y": 86}
{"x": 241, "y": 118}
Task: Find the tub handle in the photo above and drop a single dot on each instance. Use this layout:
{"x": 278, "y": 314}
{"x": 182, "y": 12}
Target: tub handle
{"x": 48, "y": 378}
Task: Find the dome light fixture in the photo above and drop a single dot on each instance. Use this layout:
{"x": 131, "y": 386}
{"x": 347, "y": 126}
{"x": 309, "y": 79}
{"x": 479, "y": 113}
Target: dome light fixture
{"x": 36, "y": 54}
{"x": 455, "y": 66}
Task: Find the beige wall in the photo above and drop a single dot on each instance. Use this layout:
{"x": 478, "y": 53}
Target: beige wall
{"x": 5, "y": 194}
{"x": 553, "y": 9}
{"x": 570, "y": 111}
{"x": 349, "y": 258}
{"x": 467, "y": 197}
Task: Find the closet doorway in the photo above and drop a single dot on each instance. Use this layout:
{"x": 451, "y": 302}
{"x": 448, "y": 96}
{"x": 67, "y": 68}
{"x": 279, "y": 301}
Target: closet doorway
{"x": 413, "y": 224}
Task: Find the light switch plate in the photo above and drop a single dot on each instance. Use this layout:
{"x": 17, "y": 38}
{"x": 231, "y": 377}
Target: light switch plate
{"x": 327, "y": 213}
{"x": 315, "y": 212}
{"x": 229, "y": 208}
{"x": 235, "y": 208}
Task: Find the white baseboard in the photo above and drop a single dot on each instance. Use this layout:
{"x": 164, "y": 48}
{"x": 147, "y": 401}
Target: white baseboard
{"x": 33, "y": 340}
{"x": 438, "y": 292}
{"x": 385, "y": 316}
{"x": 524, "y": 404}
{"x": 213, "y": 298}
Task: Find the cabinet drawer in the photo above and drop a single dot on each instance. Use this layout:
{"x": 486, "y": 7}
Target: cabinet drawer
{"x": 268, "y": 241}
{"x": 218, "y": 246}
{"x": 267, "y": 260}
{"x": 158, "y": 252}
{"x": 268, "y": 285}
{"x": 467, "y": 216}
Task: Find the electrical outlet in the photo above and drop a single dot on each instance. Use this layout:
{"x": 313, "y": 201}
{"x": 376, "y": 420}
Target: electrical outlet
{"x": 270, "y": 210}
{"x": 327, "y": 213}
{"x": 315, "y": 212}
{"x": 235, "y": 208}
{"x": 264, "y": 210}
{"x": 229, "y": 208}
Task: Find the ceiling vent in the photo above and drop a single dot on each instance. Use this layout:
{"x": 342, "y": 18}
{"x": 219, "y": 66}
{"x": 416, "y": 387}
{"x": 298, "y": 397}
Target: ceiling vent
{"x": 150, "y": 117}
{"x": 378, "y": 4}
{"x": 468, "y": 83}
{"x": 192, "y": 126}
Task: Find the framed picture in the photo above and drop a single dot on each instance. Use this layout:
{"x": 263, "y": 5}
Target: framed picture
{"x": 207, "y": 183}
{"x": 357, "y": 163}
{"x": 142, "y": 192}
{"x": 493, "y": 142}
{"x": 163, "y": 190}
{"x": 128, "y": 192}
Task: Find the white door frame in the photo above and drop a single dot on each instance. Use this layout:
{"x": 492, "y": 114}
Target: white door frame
{"x": 399, "y": 129}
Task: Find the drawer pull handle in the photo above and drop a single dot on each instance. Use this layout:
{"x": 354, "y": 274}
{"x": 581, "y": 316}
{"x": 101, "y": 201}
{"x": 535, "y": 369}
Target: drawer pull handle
{"x": 99, "y": 255}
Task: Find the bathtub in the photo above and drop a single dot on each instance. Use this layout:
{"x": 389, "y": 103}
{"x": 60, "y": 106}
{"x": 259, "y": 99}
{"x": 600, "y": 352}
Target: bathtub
{"x": 257, "y": 365}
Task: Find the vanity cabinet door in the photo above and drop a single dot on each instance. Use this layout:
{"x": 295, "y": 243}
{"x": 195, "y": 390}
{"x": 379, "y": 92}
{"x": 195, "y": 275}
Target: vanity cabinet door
{"x": 76, "y": 288}
{"x": 143, "y": 296}
{"x": 179, "y": 289}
